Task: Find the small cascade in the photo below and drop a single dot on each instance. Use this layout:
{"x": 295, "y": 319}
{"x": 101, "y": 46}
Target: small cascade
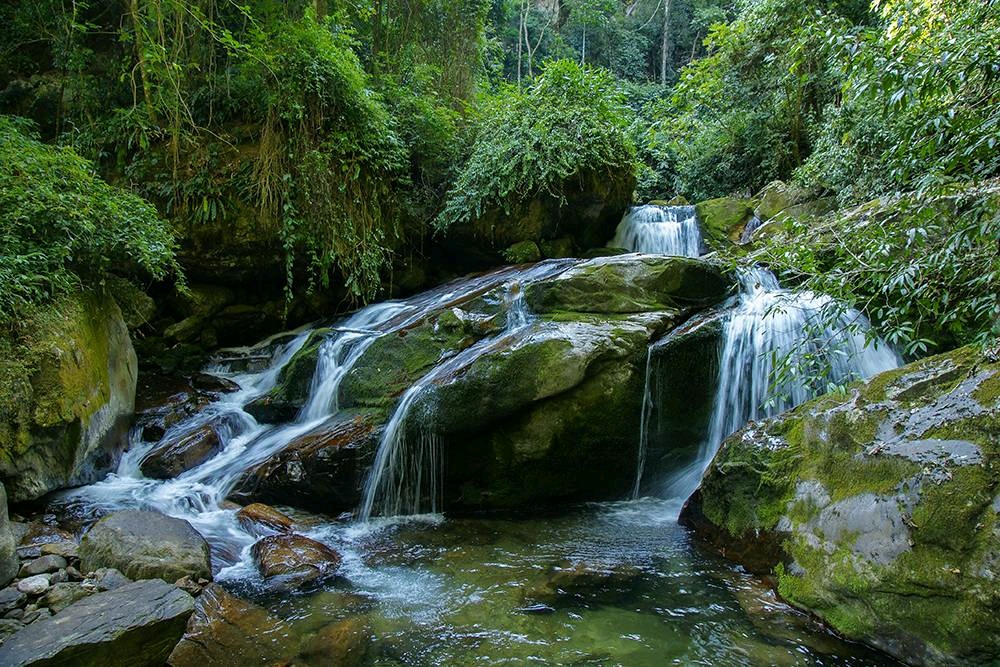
{"x": 661, "y": 230}
{"x": 753, "y": 224}
{"x": 768, "y": 324}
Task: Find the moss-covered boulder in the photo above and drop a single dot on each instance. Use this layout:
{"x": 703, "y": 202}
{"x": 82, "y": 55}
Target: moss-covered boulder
{"x": 291, "y": 390}
{"x": 722, "y": 220}
{"x": 630, "y": 284}
{"x": 778, "y": 196}
{"x": 9, "y": 562}
{"x": 67, "y": 392}
{"x": 878, "y": 509}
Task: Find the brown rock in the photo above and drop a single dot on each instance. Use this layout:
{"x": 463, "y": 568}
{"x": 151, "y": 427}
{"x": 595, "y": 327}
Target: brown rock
{"x": 294, "y": 560}
{"x": 261, "y": 519}
{"x": 345, "y": 644}
{"x": 175, "y": 456}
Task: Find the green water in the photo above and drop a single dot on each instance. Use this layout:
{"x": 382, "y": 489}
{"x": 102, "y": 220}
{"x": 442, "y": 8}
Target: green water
{"x": 624, "y": 585}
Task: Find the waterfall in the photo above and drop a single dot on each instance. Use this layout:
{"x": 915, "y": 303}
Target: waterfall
{"x": 662, "y": 230}
{"x": 765, "y": 325}
{"x": 753, "y": 224}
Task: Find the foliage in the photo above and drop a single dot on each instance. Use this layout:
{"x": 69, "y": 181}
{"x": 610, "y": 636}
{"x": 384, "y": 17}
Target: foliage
{"x": 570, "y": 119}
{"x": 61, "y": 226}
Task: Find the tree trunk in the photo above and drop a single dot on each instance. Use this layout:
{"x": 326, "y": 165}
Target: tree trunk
{"x": 665, "y": 64}
{"x": 583, "y": 51}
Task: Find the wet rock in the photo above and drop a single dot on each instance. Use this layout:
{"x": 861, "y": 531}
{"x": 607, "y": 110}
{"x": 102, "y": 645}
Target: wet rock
{"x": 8, "y": 627}
{"x": 345, "y": 643}
{"x": 11, "y": 598}
{"x": 36, "y": 615}
{"x": 213, "y": 384}
{"x": 227, "y": 630}
{"x": 136, "y": 625}
{"x": 192, "y": 586}
{"x": 262, "y": 519}
{"x": 877, "y": 510}
{"x": 64, "y": 594}
{"x": 16, "y": 614}
{"x": 321, "y": 470}
{"x": 8, "y": 545}
{"x": 105, "y": 579}
{"x": 722, "y": 220}
{"x": 291, "y": 561}
{"x": 144, "y": 545}
{"x": 38, "y": 535}
{"x": 36, "y": 585}
{"x": 74, "y": 398}
{"x": 67, "y": 549}
{"x": 180, "y": 454}
{"x": 584, "y": 582}
{"x": 42, "y": 565}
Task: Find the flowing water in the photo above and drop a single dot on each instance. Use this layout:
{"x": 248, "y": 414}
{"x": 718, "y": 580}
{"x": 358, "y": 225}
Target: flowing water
{"x": 662, "y": 230}
{"x": 601, "y": 584}
{"x": 820, "y": 344}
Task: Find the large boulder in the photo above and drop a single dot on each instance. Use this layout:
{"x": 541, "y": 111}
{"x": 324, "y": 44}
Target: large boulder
{"x": 722, "y": 220}
{"x": 877, "y": 510}
{"x": 291, "y": 561}
{"x": 227, "y": 630}
{"x": 176, "y": 455}
{"x": 9, "y": 562}
{"x": 144, "y": 545}
{"x": 66, "y": 396}
{"x": 133, "y": 626}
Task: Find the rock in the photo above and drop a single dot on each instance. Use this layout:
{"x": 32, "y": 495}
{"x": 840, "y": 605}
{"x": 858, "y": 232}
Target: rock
{"x": 877, "y": 511}
{"x": 778, "y": 196}
{"x": 259, "y": 519}
{"x": 180, "y": 454}
{"x": 42, "y": 565}
{"x": 143, "y": 545}
{"x": 8, "y": 545}
{"x": 71, "y": 396}
{"x": 722, "y": 220}
{"x": 294, "y": 560}
{"x": 213, "y": 384}
{"x": 11, "y": 598}
{"x": 64, "y": 594}
{"x": 226, "y": 630}
{"x": 322, "y": 470}
{"x": 73, "y": 574}
{"x": 344, "y": 643}
{"x": 58, "y": 577}
{"x": 576, "y": 582}
{"x": 9, "y": 627}
{"x": 36, "y": 585}
{"x": 190, "y": 585}
{"x": 39, "y": 534}
{"x": 630, "y": 284}
{"x": 36, "y": 615}
{"x": 67, "y": 549}
{"x": 523, "y": 252}
{"x": 135, "y": 625}
{"x": 16, "y": 614}
{"x": 105, "y": 579}
{"x": 558, "y": 248}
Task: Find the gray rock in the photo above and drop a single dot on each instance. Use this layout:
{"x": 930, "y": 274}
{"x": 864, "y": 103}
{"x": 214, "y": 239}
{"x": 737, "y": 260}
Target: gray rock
{"x": 10, "y": 598}
{"x": 42, "y": 565}
{"x": 105, "y": 579}
{"x": 8, "y": 545}
{"x": 35, "y": 585}
{"x": 65, "y": 548}
{"x": 64, "y": 594}
{"x": 14, "y": 613}
{"x": 8, "y": 627}
{"x": 36, "y": 615}
{"x": 144, "y": 545}
{"x": 132, "y": 626}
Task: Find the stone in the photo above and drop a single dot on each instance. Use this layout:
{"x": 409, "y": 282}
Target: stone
{"x": 227, "y": 630}
{"x": 67, "y": 549}
{"x": 132, "y": 626}
{"x": 73, "y": 574}
{"x": 778, "y": 196}
{"x": 262, "y": 519}
{"x": 877, "y": 510}
{"x": 105, "y": 579}
{"x": 11, "y": 598}
{"x": 177, "y": 455}
{"x": 75, "y": 393}
{"x": 15, "y": 613}
{"x": 523, "y": 252}
{"x": 291, "y": 561}
{"x": 64, "y": 594}
{"x": 58, "y": 576}
{"x": 9, "y": 627}
{"x": 143, "y": 545}
{"x": 8, "y": 545}
{"x": 34, "y": 586}
{"x": 344, "y": 643}
{"x": 36, "y": 615}
{"x": 42, "y": 565}
{"x": 189, "y": 585}
{"x": 581, "y": 582}
{"x": 722, "y": 220}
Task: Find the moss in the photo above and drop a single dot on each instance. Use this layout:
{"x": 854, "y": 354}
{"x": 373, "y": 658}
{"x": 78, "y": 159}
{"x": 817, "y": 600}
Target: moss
{"x": 722, "y": 219}
{"x": 522, "y": 252}
{"x": 949, "y": 513}
{"x": 988, "y": 392}
{"x": 292, "y": 386}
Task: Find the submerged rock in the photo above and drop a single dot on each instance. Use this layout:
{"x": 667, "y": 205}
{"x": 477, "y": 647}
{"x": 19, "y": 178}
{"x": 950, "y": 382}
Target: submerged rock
{"x": 291, "y": 561}
{"x": 135, "y": 625}
{"x": 344, "y": 643}
{"x": 144, "y": 545}
{"x": 878, "y": 510}
{"x": 227, "y": 630}
{"x": 70, "y": 394}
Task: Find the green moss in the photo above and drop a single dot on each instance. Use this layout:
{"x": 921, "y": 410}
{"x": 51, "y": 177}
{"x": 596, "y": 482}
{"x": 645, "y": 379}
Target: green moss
{"x": 949, "y": 513}
{"x": 988, "y": 392}
{"x": 722, "y": 219}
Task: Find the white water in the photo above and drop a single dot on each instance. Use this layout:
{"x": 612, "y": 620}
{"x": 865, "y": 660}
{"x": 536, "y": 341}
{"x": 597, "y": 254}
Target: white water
{"x": 662, "y": 230}
{"x": 769, "y": 325}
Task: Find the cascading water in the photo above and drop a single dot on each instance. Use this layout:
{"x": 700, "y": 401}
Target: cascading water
{"x": 662, "y": 230}
{"x": 753, "y": 224}
{"x": 768, "y": 325}
{"x": 405, "y": 476}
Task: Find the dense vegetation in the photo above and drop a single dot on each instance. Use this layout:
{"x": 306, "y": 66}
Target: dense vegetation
{"x": 348, "y": 135}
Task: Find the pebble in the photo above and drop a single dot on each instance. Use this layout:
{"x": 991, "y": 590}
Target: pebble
{"x": 35, "y": 585}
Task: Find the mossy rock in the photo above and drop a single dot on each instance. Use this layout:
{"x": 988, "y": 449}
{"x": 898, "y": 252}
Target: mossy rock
{"x": 877, "y": 509}
{"x": 522, "y": 252}
{"x": 778, "y": 196}
{"x": 630, "y": 284}
{"x": 291, "y": 391}
{"x": 67, "y": 393}
{"x": 722, "y": 220}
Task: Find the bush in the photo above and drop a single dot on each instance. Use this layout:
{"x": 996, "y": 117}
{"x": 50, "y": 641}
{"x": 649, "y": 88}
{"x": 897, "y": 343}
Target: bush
{"x": 62, "y": 227}
{"x": 569, "y": 119}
